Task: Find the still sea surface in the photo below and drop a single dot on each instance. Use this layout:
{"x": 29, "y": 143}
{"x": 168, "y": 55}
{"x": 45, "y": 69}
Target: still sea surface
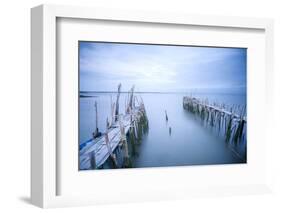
{"x": 190, "y": 142}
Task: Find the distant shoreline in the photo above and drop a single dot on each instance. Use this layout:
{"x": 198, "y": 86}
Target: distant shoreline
{"x": 192, "y": 93}
{"x": 88, "y": 96}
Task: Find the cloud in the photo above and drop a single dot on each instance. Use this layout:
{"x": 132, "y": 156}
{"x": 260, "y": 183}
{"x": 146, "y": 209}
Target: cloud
{"x": 159, "y": 67}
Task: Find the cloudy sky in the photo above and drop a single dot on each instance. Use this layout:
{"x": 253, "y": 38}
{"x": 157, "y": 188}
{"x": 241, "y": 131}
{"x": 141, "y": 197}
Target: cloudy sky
{"x": 160, "y": 68}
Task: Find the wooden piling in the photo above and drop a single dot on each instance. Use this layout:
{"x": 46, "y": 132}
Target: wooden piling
{"x": 131, "y": 99}
{"x": 93, "y": 160}
{"x": 96, "y": 132}
{"x": 117, "y": 102}
{"x": 123, "y": 140}
{"x": 112, "y": 108}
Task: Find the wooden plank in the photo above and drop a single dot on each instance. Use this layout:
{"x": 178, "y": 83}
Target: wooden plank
{"x": 99, "y": 146}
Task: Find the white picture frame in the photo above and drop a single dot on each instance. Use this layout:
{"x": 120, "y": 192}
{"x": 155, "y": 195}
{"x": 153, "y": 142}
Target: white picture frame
{"x": 45, "y": 171}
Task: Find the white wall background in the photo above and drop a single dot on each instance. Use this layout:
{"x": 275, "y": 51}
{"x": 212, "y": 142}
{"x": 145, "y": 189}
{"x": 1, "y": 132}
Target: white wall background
{"x": 15, "y": 105}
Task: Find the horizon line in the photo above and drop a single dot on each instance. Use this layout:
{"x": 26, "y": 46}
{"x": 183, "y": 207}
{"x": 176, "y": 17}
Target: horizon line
{"x": 160, "y": 92}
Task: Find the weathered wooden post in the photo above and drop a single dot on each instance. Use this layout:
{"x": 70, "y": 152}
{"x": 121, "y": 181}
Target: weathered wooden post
{"x": 127, "y": 103}
{"x": 96, "y": 132}
{"x": 166, "y": 116}
{"x": 229, "y": 129}
{"x": 117, "y": 102}
{"x": 112, "y": 105}
{"x": 131, "y": 99}
{"x": 107, "y": 142}
{"x": 135, "y": 129}
{"x": 93, "y": 160}
{"x": 131, "y": 131}
{"x": 96, "y": 109}
{"x": 125, "y": 144}
{"x": 107, "y": 123}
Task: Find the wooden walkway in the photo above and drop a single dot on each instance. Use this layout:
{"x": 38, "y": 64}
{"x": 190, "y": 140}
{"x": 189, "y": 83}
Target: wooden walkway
{"x": 190, "y": 100}
{"x": 100, "y": 148}
{"x": 232, "y": 124}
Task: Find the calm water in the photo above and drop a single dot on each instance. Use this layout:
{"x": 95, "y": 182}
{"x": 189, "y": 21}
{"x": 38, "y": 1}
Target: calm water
{"x": 190, "y": 142}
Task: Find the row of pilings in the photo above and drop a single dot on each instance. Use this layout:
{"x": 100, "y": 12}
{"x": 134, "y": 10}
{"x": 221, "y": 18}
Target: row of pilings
{"x": 131, "y": 138}
{"x": 122, "y": 156}
{"x": 232, "y": 126}
{"x": 138, "y": 129}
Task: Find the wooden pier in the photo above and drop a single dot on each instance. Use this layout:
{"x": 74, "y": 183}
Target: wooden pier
{"x": 231, "y": 123}
{"x": 96, "y": 151}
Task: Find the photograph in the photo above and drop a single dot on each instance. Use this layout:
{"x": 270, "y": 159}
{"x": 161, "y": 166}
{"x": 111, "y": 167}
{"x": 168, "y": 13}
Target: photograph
{"x": 160, "y": 105}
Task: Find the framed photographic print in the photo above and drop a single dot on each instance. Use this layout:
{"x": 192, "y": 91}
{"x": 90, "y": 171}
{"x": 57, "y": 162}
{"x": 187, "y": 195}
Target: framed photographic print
{"x": 182, "y": 105}
{"x": 148, "y": 105}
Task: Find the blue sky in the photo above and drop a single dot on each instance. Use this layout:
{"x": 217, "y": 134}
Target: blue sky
{"x": 160, "y": 68}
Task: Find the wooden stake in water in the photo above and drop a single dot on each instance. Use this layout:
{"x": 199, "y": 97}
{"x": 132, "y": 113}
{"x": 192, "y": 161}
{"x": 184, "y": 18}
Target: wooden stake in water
{"x": 135, "y": 129}
{"x": 166, "y": 116}
{"x": 112, "y": 105}
{"x": 96, "y": 132}
{"x": 131, "y": 98}
{"x": 117, "y": 102}
{"x": 96, "y": 109}
{"x": 107, "y": 123}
